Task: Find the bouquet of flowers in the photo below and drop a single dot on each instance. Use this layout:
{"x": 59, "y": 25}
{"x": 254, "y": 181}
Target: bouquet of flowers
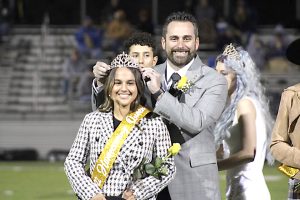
{"x": 156, "y": 167}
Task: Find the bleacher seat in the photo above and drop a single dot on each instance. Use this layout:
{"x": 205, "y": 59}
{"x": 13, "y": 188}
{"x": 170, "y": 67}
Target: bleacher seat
{"x": 35, "y": 65}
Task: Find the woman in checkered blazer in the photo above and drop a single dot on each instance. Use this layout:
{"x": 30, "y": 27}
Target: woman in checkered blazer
{"x": 124, "y": 89}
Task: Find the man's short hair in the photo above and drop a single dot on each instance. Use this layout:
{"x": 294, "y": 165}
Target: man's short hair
{"x": 181, "y": 17}
{"x": 143, "y": 39}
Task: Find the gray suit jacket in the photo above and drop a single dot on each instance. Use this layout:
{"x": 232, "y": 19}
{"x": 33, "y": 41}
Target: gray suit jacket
{"x": 195, "y": 114}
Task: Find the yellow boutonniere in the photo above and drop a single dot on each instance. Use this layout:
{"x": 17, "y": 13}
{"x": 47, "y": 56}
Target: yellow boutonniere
{"x": 184, "y": 84}
{"x": 173, "y": 150}
{"x": 155, "y": 168}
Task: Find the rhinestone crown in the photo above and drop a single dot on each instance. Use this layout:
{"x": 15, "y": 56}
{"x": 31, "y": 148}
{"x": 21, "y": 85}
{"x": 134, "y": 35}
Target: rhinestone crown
{"x": 231, "y": 52}
{"x": 123, "y": 60}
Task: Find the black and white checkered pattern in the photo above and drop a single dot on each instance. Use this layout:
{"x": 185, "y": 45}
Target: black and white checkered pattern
{"x": 292, "y": 194}
{"x": 149, "y": 139}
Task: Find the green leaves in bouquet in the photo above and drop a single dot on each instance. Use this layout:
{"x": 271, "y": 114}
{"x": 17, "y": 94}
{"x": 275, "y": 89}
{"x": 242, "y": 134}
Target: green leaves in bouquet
{"x": 150, "y": 168}
{"x": 158, "y": 162}
{"x": 155, "y": 168}
{"x": 139, "y": 172}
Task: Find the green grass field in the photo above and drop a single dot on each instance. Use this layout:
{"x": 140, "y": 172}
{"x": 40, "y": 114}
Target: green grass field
{"x": 47, "y": 181}
{"x": 277, "y": 183}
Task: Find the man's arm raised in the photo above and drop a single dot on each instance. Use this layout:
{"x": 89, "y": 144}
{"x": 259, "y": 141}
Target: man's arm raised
{"x": 100, "y": 70}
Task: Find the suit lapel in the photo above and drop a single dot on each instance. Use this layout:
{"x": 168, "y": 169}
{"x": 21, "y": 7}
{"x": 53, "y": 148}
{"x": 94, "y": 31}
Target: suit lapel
{"x": 162, "y": 70}
{"x": 194, "y": 74}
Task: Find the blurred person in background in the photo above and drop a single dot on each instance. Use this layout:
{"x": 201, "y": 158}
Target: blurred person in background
{"x": 141, "y": 47}
{"x": 84, "y": 85}
{"x": 205, "y": 14}
{"x": 276, "y": 48}
{"x": 143, "y": 140}
{"x": 5, "y": 21}
{"x": 257, "y": 50}
{"x": 285, "y": 145}
{"x": 73, "y": 69}
{"x": 204, "y": 11}
{"x": 244, "y": 20}
{"x": 226, "y": 34}
{"x": 108, "y": 10}
{"x": 245, "y": 126}
{"x": 279, "y": 42}
{"x": 89, "y": 39}
{"x": 144, "y": 23}
{"x": 118, "y": 30}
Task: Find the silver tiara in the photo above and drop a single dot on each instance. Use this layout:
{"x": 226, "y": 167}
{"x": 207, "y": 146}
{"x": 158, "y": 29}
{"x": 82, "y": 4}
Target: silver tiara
{"x": 231, "y": 52}
{"x": 123, "y": 60}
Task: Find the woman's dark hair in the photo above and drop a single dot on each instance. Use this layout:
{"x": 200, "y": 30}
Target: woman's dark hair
{"x": 143, "y": 39}
{"x": 181, "y": 17}
{"x": 108, "y": 104}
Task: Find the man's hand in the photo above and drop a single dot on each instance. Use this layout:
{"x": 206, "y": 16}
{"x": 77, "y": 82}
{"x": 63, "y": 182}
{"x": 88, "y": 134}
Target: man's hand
{"x": 99, "y": 197}
{"x": 100, "y": 71}
{"x": 154, "y": 79}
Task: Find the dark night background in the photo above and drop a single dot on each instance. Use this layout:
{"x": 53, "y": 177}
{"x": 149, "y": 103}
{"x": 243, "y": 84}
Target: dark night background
{"x": 68, "y": 11}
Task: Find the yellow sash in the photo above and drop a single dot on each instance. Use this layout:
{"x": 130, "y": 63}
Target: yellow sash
{"x": 114, "y": 144}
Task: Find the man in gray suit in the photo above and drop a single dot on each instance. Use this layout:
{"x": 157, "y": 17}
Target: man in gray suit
{"x": 192, "y": 111}
{"x": 190, "y": 108}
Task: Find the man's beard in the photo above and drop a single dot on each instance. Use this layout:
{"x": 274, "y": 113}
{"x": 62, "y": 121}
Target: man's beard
{"x": 183, "y": 60}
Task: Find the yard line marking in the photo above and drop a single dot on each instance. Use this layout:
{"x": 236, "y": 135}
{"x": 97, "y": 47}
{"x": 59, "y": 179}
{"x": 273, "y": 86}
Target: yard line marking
{"x": 70, "y": 192}
{"x": 8, "y": 192}
{"x": 273, "y": 177}
{"x": 267, "y": 177}
{"x": 17, "y": 168}
{"x": 12, "y": 168}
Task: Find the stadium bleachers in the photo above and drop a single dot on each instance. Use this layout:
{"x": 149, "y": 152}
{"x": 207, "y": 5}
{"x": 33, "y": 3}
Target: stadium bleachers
{"x": 30, "y": 73}
{"x": 31, "y": 65}
{"x": 32, "y": 107}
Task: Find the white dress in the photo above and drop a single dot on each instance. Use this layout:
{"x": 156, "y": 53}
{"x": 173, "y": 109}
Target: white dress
{"x": 246, "y": 182}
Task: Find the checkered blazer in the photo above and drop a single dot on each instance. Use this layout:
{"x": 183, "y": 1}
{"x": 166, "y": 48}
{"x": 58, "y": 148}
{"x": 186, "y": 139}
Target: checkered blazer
{"x": 150, "y": 138}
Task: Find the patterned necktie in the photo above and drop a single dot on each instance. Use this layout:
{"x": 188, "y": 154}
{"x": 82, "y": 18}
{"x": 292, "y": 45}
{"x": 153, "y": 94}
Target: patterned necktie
{"x": 175, "y": 133}
{"x": 175, "y": 78}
